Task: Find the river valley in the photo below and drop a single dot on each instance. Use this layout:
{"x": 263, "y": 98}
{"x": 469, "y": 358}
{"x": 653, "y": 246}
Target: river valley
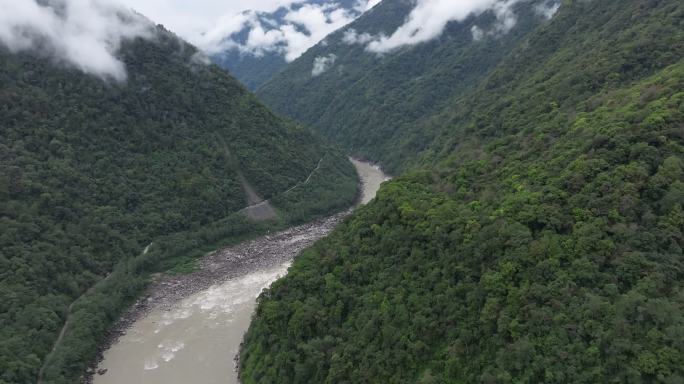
{"x": 189, "y": 327}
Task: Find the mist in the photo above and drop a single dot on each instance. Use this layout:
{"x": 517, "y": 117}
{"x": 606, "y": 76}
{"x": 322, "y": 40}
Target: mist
{"x": 85, "y": 34}
{"x": 429, "y": 18}
{"x": 548, "y": 9}
{"x": 304, "y": 25}
{"x": 322, "y": 64}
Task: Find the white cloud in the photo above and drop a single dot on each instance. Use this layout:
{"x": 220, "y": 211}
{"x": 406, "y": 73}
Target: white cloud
{"x": 83, "y": 33}
{"x": 225, "y": 27}
{"x": 505, "y": 17}
{"x": 303, "y": 26}
{"x": 477, "y": 32}
{"x": 322, "y": 64}
{"x": 548, "y": 9}
{"x": 505, "y": 21}
{"x": 365, "y": 5}
{"x": 429, "y": 18}
{"x": 191, "y": 18}
{"x": 318, "y": 21}
{"x": 209, "y": 23}
{"x": 427, "y": 21}
{"x": 352, "y": 37}
{"x": 200, "y": 58}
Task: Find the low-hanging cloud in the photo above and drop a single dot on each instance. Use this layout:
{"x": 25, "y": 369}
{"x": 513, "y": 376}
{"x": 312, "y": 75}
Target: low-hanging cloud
{"x": 547, "y": 9}
{"x": 365, "y": 5}
{"x": 302, "y": 26}
{"x": 322, "y": 64}
{"x": 85, "y": 34}
{"x": 505, "y": 21}
{"x": 429, "y": 18}
{"x": 352, "y": 37}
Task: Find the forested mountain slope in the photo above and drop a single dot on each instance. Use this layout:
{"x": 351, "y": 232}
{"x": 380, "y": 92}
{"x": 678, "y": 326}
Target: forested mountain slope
{"x": 372, "y": 103}
{"x": 254, "y": 64}
{"x": 542, "y": 242}
{"x": 92, "y": 171}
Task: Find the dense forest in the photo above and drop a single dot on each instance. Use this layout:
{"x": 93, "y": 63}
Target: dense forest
{"x": 93, "y": 171}
{"x": 375, "y": 105}
{"x": 538, "y": 238}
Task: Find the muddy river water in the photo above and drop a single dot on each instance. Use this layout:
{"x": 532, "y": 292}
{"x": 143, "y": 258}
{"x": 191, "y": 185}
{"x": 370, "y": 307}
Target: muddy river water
{"x": 194, "y": 339}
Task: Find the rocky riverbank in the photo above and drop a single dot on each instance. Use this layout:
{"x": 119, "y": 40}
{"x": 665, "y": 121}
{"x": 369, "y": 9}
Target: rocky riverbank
{"x": 231, "y": 263}
{"x": 218, "y": 267}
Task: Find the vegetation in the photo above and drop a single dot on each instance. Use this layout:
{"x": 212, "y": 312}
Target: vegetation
{"x": 539, "y": 239}
{"x": 393, "y": 93}
{"x": 92, "y": 172}
{"x": 332, "y": 186}
{"x": 99, "y": 307}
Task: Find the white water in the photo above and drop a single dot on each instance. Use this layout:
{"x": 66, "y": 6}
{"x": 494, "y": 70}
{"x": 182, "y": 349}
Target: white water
{"x": 196, "y": 340}
{"x": 193, "y": 342}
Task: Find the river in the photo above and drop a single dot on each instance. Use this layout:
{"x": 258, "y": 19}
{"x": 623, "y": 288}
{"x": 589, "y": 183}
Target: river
{"x": 194, "y": 339}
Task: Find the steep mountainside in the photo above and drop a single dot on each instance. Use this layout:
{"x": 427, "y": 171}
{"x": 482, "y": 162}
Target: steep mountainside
{"x": 253, "y": 64}
{"x": 91, "y": 172}
{"x": 373, "y": 103}
{"x": 543, "y": 243}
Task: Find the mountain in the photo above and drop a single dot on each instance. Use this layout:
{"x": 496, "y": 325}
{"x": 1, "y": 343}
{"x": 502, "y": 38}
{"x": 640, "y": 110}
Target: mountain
{"x": 256, "y": 45}
{"x": 538, "y": 237}
{"x": 93, "y": 171}
{"x": 394, "y": 92}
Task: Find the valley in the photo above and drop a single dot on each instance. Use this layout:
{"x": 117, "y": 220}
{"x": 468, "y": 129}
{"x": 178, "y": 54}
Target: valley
{"x": 188, "y": 327}
{"x": 92, "y": 170}
{"x": 177, "y": 213}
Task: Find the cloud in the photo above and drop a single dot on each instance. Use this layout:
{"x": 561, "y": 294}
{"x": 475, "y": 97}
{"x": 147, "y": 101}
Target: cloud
{"x": 322, "y": 64}
{"x": 365, "y": 5}
{"x": 429, "y": 18}
{"x": 352, "y": 37}
{"x": 427, "y": 21}
{"x": 317, "y": 22}
{"x": 191, "y": 18}
{"x": 505, "y": 21}
{"x": 477, "y": 32}
{"x": 505, "y": 17}
{"x": 547, "y": 9}
{"x": 200, "y": 58}
{"x": 299, "y": 26}
{"x": 85, "y": 34}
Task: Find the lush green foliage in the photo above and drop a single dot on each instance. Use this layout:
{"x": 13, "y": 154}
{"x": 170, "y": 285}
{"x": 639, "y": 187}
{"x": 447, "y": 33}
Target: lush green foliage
{"x": 332, "y": 187}
{"x": 91, "y": 172}
{"x": 394, "y": 92}
{"x": 544, "y": 244}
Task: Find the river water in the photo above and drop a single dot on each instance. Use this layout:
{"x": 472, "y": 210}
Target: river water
{"x": 196, "y": 339}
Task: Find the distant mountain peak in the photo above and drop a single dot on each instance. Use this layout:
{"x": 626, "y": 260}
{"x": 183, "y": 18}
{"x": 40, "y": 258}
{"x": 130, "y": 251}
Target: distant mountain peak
{"x": 254, "y": 45}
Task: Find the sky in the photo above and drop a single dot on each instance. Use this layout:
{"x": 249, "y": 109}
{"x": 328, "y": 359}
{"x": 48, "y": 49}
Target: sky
{"x": 300, "y": 28}
{"x": 88, "y": 33}
{"x": 208, "y": 23}
{"x": 429, "y": 17}
{"x": 190, "y": 18}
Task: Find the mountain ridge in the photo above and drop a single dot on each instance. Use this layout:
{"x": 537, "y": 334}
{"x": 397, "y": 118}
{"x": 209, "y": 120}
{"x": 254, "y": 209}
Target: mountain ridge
{"x": 537, "y": 238}
{"x": 93, "y": 170}
{"x": 394, "y": 92}
{"x": 254, "y": 63}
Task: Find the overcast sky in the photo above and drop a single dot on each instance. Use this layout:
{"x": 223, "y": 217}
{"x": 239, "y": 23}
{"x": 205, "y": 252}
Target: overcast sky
{"x": 189, "y": 18}
{"x": 87, "y": 33}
